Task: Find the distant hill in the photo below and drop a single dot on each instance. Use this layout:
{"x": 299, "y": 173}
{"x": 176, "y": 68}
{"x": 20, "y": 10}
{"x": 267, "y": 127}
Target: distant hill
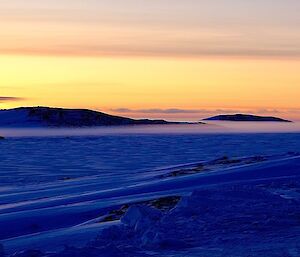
{"x": 59, "y": 117}
{"x": 246, "y": 117}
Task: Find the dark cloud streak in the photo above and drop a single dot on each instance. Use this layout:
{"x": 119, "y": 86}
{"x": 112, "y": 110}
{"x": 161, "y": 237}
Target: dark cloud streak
{"x": 10, "y": 99}
{"x": 175, "y": 111}
{"x": 155, "y": 111}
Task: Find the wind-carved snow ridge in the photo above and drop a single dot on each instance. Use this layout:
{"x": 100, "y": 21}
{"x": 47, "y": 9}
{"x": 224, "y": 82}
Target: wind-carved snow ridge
{"x": 221, "y": 163}
{"x": 241, "y": 219}
{"x": 244, "y": 211}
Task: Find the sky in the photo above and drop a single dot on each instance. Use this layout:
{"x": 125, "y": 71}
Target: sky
{"x": 173, "y": 59}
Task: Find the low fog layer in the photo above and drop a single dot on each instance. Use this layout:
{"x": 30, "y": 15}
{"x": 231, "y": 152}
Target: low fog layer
{"x": 210, "y": 127}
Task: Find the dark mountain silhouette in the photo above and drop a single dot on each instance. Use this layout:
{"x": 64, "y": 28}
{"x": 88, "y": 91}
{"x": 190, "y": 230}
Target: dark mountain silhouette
{"x": 246, "y": 117}
{"x": 60, "y": 117}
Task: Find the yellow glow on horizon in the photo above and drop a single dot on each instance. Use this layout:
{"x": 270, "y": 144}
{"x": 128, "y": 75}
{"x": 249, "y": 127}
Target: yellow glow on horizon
{"x": 140, "y": 83}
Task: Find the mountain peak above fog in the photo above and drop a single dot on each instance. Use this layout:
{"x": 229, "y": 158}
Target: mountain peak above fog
{"x": 61, "y": 117}
{"x": 246, "y": 117}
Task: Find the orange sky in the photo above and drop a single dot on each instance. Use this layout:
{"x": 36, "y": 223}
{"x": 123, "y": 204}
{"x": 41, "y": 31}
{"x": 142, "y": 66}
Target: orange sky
{"x": 162, "y": 59}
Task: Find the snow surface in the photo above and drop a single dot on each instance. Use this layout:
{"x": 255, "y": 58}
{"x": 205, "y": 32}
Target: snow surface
{"x": 95, "y": 195}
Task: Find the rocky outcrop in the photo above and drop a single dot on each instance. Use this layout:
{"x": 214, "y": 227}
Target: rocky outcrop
{"x": 59, "y": 117}
{"x": 246, "y": 117}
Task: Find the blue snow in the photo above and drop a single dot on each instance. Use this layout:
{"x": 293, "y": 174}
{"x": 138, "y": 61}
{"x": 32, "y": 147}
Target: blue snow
{"x": 239, "y": 195}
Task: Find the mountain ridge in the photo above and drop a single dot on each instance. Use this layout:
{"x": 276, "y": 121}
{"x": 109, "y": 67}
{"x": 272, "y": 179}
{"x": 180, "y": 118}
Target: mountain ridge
{"x": 41, "y": 116}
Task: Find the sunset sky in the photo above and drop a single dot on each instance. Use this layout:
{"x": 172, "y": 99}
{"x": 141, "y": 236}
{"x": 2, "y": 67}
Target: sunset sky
{"x": 174, "y": 59}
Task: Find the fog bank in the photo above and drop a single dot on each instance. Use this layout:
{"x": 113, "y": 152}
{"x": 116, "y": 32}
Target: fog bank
{"x": 217, "y": 127}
